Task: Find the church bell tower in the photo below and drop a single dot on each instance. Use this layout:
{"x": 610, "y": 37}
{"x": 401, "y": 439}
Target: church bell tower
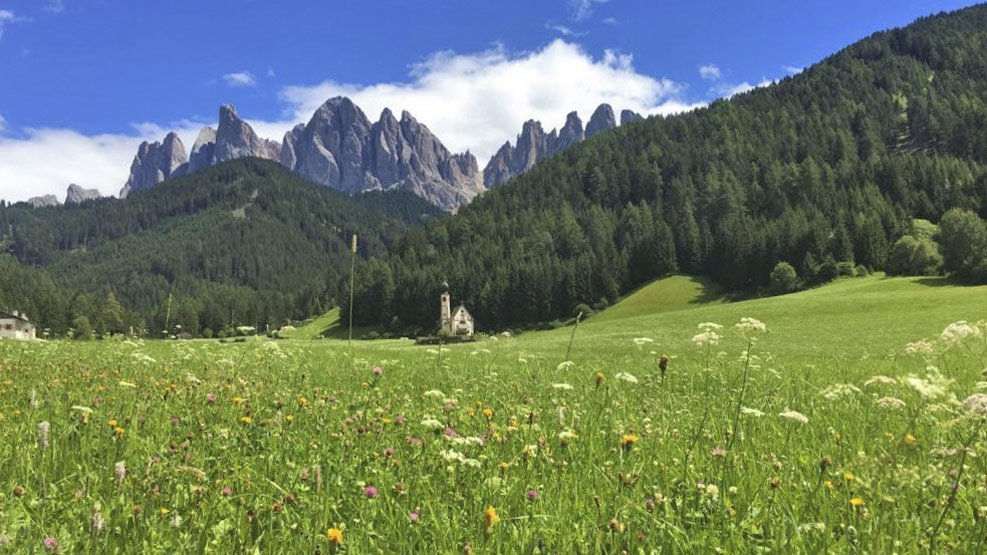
{"x": 445, "y": 309}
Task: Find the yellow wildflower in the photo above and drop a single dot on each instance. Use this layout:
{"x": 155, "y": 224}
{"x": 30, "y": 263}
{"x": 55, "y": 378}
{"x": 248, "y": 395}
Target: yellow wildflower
{"x": 490, "y": 518}
{"x": 857, "y": 502}
{"x": 246, "y": 420}
{"x": 335, "y": 536}
{"x": 118, "y": 431}
{"x": 910, "y": 439}
{"x": 628, "y": 440}
{"x": 848, "y": 476}
{"x": 488, "y": 412}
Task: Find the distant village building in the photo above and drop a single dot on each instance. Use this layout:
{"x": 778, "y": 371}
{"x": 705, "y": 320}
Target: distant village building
{"x": 16, "y": 326}
{"x": 458, "y": 322}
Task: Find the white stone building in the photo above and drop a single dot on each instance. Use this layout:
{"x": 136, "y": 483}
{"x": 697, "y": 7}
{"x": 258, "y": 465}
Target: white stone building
{"x": 16, "y": 326}
{"x": 458, "y": 322}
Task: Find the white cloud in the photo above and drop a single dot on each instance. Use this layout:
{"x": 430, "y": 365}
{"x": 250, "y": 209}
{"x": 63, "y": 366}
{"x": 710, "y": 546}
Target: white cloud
{"x": 3, "y": 124}
{"x": 611, "y": 21}
{"x": 710, "y": 72}
{"x": 581, "y": 9}
{"x": 728, "y": 90}
{"x": 6, "y": 16}
{"x": 793, "y": 70}
{"x": 565, "y": 31}
{"x": 55, "y": 6}
{"x": 43, "y": 161}
{"x": 240, "y": 79}
{"x": 478, "y": 101}
{"x": 470, "y": 101}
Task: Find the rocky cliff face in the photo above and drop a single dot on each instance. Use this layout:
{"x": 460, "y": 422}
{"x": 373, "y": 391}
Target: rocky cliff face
{"x": 627, "y": 116}
{"x": 156, "y": 162}
{"x": 533, "y": 145}
{"x": 203, "y": 150}
{"x": 42, "y": 201}
{"x": 340, "y": 148}
{"x": 77, "y": 195}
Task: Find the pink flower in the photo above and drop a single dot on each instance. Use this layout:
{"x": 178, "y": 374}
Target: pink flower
{"x": 449, "y": 432}
{"x": 370, "y": 492}
{"x": 532, "y": 494}
{"x": 378, "y": 371}
{"x": 176, "y": 421}
{"x": 227, "y": 491}
{"x": 51, "y": 544}
{"x": 719, "y": 452}
{"x": 399, "y": 419}
{"x": 413, "y": 516}
{"x": 388, "y": 452}
{"x": 211, "y": 398}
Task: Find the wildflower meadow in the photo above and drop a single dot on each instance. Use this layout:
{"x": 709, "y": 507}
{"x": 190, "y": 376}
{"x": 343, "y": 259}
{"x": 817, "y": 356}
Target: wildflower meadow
{"x": 737, "y": 427}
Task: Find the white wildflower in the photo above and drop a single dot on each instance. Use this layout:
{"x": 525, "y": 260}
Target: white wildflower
{"x": 890, "y": 403}
{"x": 748, "y": 411}
{"x": 567, "y": 436}
{"x": 748, "y": 326}
{"x": 977, "y": 404}
{"x": 43, "y": 431}
{"x": 563, "y": 386}
{"x": 958, "y": 331}
{"x": 624, "y": 376}
{"x": 565, "y": 365}
{"x": 706, "y": 338}
{"x": 921, "y": 347}
{"x": 794, "y": 415}
{"x": 432, "y": 424}
{"x": 882, "y": 380}
{"x": 839, "y": 391}
{"x": 435, "y": 394}
{"x": 709, "y": 326}
{"x": 933, "y": 386}
{"x": 642, "y": 341}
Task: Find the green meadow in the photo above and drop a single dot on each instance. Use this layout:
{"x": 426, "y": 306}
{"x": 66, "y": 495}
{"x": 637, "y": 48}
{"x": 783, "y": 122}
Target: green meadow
{"x": 842, "y": 419}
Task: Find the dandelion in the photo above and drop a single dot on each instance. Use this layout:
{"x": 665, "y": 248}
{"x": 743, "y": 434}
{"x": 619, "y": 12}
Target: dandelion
{"x": 626, "y": 377}
{"x": 600, "y": 378}
{"x": 628, "y": 440}
{"x": 118, "y": 431}
{"x": 856, "y": 502}
{"x": 910, "y": 439}
{"x": 490, "y": 518}
{"x": 976, "y": 404}
{"x": 246, "y": 420}
{"x": 848, "y": 476}
{"x": 120, "y": 471}
{"x": 335, "y": 537}
{"x": 43, "y": 431}
{"x": 794, "y": 415}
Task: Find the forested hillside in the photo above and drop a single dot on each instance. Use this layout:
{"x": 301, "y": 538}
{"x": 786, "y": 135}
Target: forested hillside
{"x": 245, "y": 242}
{"x": 826, "y": 167}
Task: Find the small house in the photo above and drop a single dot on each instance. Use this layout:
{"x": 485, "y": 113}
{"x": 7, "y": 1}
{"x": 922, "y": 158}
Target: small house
{"x": 16, "y": 326}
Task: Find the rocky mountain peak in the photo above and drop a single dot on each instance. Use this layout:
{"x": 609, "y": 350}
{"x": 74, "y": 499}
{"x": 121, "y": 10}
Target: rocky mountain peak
{"x": 43, "y": 201}
{"x": 77, "y": 195}
{"x": 236, "y": 139}
{"x": 156, "y": 162}
{"x": 603, "y": 119}
{"x": 627, "y": 116}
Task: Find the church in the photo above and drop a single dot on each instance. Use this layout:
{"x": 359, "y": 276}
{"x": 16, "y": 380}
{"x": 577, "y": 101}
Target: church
{"x": 458, "y": 322}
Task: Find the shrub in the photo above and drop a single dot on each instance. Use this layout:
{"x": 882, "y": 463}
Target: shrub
{"x": 783, "y": 279}
{"x": 914, "y": 256}
{"x": 963, "y": 239}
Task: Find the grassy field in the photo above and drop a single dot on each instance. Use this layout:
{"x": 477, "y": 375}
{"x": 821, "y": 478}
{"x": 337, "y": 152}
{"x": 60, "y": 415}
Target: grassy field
{"x": 836, "y": 429}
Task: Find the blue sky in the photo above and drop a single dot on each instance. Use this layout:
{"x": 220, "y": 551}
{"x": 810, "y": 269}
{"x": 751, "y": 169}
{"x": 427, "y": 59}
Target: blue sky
{"x": 83, "y": 82}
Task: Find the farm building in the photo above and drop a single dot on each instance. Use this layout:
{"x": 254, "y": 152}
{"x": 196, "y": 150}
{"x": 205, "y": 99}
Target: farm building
{"x": 16, "y": 326}
{"x": 458, "y": 322}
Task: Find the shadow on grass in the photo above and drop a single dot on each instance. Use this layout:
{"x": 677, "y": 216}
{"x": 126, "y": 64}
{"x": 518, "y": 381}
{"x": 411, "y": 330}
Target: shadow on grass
{"x": 939, "y": 282}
